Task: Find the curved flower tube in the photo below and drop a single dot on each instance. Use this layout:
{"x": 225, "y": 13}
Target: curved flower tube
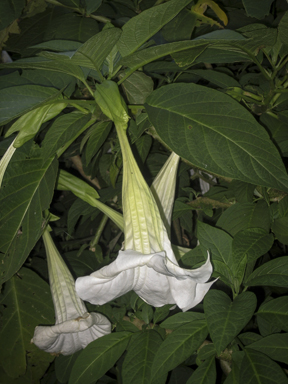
{"x": 147, "y": 265}
{"x": 75, "y": 328}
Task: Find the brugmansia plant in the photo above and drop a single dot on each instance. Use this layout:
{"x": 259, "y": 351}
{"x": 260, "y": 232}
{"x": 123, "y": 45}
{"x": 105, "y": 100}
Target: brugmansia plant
{"x": 152, "y": 135}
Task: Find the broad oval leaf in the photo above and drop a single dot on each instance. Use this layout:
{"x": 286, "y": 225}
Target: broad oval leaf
{"x": 17, "y": 100}
{"x": 253, "y": 242}
{"x": 141, "y": 28}
{"x": 258, "y": 368}
{"x": 98, "y": 357}
{"x": 177, "y": 347}
{"x": 27, "y": 190}
{"x": 273, "y": 273}
{"x": 181, "y": 318}
{"x": 137, "y": 364}
{"x": 64, "y": 130}
{"x": 205, "y": 373}
{"x": 27, "y": 303}
{"x": 215, "y": 133}
{"x": 243, "y": 216}
{"x": 275, "y": 346}
{"x": 275, "y": 312}
{"x": 219, "y": 243}
{"x": 226, "y": 318}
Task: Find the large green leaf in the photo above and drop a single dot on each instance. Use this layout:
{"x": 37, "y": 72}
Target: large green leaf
{"x": 97, "y": 135}
{"x": 275, "y": 346}
{"x": 252, "y": 242}
{"x": 98, "y": 357}
{"x": 275, "y": 312}
{"x": 220, "y": 79}
{"x": 137, "y": 364}
{"x": 205, "y": 373}
{"x": 226, "y": 318}
{"x": 215, "y": 133}
{"x": 180, "y": 319}
{"x": 219, "y": 243}
{"x": 64, "y": 129}
{"x": 177, "y": 347}
{"x": 273, "y": 273}
{"x": 141, "y": 28}
{"x": 137, "y": 87}
{"x": 145, "y": 56}
{"x": 64, "y": 365}
{"x": 17, "y": 100}
{"x": 25, "y": 303}
{"x": 27, "y": 190}
{"x": 66, "y": 67}
{"x": 10, "y": 10}
{"x": 256, "y": 368}
{"x": 257, "y": 8}
{"x": 96, "y": 49}
{"x": 283, "y": 28}
{"x": 243, "y": 216}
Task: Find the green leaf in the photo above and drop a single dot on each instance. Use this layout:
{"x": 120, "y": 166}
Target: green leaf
{"x": 27, "y": 190}
{"x": 137, "y": 364}
{"x": 280, "y": 228}
{"x": 83, "y": 265}
{"x": 48, "y": 65}
{"x": 283, "y": 28}
{"x": 143, "y": 145}
{"x": 15, "y": 101}
{"x": 145, "y": 56}
{"x": 98, "y": 133}
{"x": 226, "y": 318}
{"x": 178, "y": 346}
{"x": 25, "y": 303}
{"x": 243, "y": 216}
{"x": 203, "y": 117}
{"x": 249, "y": 337}
{"x": 205, "y": 373}
{"x": 253, "y": 242}
{"x": 96, "y": 49}
{"x": 98, "y": 357}
{"x": 30, "y": 123}
{"x": 273, "y": 273}
{"x": 10, "y": 10}
{"x": 218, "y": 78}
{"x": 64, "y": 365}
{"x": 275, "y": 346}
{"x": 180, "y": 27}
{"x": 69, "y": 182}
{"x": 180, "y": 319}
{"x": 64, "y": 130}
{"x": 137, "y": 87}
{"x": 258, "y": 368}
{"x": 219, "y": 243}
{"x": 141, "y": 28}
{"x": 275, "y": 312}
{"x": 257, "y": 8}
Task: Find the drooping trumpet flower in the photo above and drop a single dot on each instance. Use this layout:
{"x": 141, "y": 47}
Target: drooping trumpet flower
{"x": 147, "y": 264}
{"x": 74, "y": 327}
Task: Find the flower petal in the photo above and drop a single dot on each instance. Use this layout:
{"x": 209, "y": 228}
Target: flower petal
{"x": 66, "y": 302}
{"x": 72, "y": 335}
{"x": 113, "y": 280}
{"x": 163, "y": 188}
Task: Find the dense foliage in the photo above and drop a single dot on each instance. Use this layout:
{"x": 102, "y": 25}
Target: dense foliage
{"x": 204, "y": 79}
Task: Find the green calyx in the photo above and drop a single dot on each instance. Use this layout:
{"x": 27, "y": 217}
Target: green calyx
{"x": 110, "y": 101}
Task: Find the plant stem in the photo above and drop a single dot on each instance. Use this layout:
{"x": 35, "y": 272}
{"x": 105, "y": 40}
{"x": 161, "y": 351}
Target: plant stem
{"x": 98, "y": 233}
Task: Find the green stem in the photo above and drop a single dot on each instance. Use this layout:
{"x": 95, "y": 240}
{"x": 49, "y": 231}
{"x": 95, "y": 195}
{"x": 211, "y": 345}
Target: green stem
{"x": 102, "y": 19}
{"x": 99, "y": 231}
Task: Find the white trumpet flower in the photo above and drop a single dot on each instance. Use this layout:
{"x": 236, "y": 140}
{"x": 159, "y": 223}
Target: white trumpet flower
{"x": 147, "y": 265}
{"x": 75, "y": 328}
